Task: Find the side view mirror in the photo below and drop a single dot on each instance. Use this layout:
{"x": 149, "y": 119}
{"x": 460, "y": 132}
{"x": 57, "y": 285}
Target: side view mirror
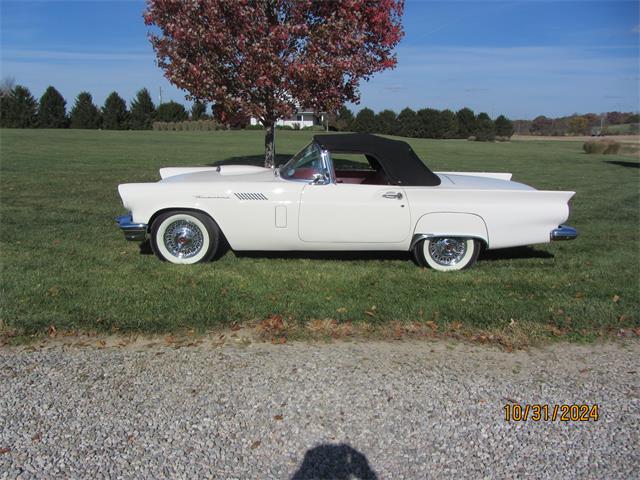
{"x": 319, "y": 179}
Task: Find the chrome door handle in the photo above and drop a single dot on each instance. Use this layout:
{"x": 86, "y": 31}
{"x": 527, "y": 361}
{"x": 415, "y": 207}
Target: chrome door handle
{"x": 397, "y": 196}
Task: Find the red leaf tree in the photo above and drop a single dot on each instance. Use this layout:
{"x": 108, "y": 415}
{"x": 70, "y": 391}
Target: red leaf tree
{"x": 264, "y": 58}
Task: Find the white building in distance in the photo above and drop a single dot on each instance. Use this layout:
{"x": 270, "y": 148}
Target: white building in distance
{"x": 300, "y": 119}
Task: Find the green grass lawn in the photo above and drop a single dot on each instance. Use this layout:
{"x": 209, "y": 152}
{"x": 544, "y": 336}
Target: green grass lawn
{"x": 64, "y": 262}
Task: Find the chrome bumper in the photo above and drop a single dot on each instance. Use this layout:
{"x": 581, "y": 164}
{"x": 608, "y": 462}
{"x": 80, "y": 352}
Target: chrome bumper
{"x": 136, "y": 232}
{"x": 563, "y": 232}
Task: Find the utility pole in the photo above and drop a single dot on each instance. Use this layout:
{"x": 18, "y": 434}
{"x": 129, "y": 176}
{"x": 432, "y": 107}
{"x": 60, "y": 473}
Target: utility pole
{"x": 160, "y": 89}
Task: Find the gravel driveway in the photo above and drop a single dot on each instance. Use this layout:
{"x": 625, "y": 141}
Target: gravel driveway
{"x": 366, "y": 410}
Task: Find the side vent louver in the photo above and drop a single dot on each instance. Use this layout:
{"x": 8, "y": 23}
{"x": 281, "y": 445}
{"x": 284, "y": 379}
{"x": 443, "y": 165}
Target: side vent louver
{"x": 250, "y": 196}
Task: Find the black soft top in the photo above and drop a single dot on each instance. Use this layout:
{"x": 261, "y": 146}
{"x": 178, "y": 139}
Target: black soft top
{"x": 399, "y": 161}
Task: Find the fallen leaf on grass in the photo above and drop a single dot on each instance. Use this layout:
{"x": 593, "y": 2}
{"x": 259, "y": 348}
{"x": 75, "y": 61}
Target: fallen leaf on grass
{"x": 341, "y": 310}
{"x": 616, "y": 298}
{"x": 52, "y": 331}
{"x": 274, "y": 323}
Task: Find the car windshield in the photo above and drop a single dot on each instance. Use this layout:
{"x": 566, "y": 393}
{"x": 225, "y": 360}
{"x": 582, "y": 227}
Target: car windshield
{"x": 304, "y": 165}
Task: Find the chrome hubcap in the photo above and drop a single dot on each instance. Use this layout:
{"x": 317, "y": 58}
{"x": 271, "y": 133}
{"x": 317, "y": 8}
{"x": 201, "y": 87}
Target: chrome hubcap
{"x": 183, "y": 239}
{"x": 447, "y": 251}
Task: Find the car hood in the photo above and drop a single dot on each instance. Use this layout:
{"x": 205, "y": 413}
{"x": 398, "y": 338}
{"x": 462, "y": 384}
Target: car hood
{"x": 479, "y": 182}
{"x": 224, "y": 173}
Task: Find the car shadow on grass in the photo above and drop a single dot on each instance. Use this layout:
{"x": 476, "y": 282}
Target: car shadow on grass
{"x": 513, "y": 254}
{"x": 623, "y": 164}
{"x": 357, "y": 255}
{"x": 327, "y": 255}
{"x": 334, "y": 461}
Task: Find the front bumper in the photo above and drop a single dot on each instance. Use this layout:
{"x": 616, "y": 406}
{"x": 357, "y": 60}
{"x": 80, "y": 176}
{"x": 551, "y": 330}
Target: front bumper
{"x": 563, "y": 232}
{"x": 136, "y": 232}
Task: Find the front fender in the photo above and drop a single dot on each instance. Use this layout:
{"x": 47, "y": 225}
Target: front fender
{"x": 452, "y": 224}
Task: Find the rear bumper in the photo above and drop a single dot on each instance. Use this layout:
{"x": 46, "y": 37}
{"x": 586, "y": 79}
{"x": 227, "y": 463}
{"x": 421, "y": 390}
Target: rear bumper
{"x": 563, "y": 232}
{"x": 136, "y": 232}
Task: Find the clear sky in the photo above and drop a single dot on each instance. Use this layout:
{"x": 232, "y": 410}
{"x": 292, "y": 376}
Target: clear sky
{"x": 520, "y": 58}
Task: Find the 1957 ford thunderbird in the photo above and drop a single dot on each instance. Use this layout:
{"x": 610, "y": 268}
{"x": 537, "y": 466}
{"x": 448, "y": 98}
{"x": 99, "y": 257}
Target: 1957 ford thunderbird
{"x": 317, "y": 202}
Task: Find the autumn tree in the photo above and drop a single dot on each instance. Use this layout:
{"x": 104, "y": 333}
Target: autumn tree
{"x": 265, "y": 58}
{"x": 142, "y": 112}
{"x": 84, "y": 113}
{"x": 579, "y": 125}
{"x": 541, "y": 125}
{"x": 114, "y": 113}
{"x": 52, "y": 109}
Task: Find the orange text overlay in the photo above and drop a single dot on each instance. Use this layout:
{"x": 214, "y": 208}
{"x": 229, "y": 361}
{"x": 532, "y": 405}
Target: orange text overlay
{"x": 514, "y": 412}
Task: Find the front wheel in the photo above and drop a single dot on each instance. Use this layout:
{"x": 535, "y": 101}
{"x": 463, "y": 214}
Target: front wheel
{"x": 447, "y": 254}
{"x": 185, "y": 237}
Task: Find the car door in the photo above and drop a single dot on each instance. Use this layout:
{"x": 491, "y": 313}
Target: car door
{"x": 353, "y": 213}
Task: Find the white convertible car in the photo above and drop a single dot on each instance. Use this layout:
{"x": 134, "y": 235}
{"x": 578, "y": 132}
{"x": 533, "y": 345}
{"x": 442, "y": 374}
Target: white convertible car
{"x": 318, "y": 201}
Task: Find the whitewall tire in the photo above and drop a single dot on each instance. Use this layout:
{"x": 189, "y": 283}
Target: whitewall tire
{"x": 185, "y": 237}
{"x": 447, "y": 254}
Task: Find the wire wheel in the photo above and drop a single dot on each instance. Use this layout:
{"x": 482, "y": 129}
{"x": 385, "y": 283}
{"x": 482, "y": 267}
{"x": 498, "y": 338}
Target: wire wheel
{"x": 447, "y": 251}
{"x": 183, "y": 239}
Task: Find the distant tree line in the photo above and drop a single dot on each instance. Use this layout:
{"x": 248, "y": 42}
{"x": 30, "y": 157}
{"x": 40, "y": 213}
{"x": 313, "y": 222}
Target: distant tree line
{"x": 576, "y": 124}
{"x": 425, "y": 123}
{"x": 19, "y": 109}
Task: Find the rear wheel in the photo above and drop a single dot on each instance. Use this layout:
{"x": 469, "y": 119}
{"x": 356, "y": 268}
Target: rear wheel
{"x": 185, "y": 237}
{"x": 447, "y": 254}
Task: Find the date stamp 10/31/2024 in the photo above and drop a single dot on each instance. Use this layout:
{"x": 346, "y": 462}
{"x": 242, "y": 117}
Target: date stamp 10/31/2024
{"x": 536, "y": 412}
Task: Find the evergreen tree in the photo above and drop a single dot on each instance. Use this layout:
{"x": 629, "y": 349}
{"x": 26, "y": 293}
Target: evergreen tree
{"x": 171, "y": 112}
{"x": 448, "y": 124}
{"x": 408, "y": 124}
{"x": 504, "y": 126}
{"x": 18, "y": 108}
{"x": 84, "y": 113}
{"x": 485, "y": 129}
{"x": 142, "y": 111}
{"x": 52, "y": 109}
{"x": 344, "y": 120}
{"x": 428, "y": 119}
{"x": 386, "y": 122}
{"x": 114, "y": 113}
{"x": 199, "y": 111}
{"x": 466, "y": 122}
{"x": 365, "y": 121}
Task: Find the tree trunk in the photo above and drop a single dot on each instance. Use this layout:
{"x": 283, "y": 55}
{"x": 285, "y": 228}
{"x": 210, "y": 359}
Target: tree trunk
{"x": 270, "y": 146}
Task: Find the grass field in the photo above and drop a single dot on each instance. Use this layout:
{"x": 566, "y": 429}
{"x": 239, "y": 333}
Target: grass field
{"x": 64, "y": 262}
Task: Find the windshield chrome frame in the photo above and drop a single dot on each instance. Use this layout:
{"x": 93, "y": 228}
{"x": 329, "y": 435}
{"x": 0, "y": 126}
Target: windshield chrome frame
{"x": 326, "y": 165}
